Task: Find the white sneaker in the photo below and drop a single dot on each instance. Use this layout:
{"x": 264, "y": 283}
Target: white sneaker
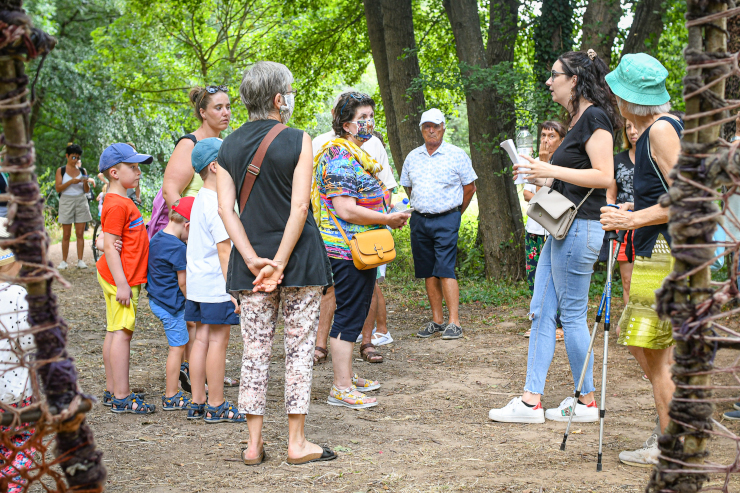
{"x": 81, "y": 264}
{"x": 647, "y": 456}
{"x": 62, "y": 265}
{"x": 518, "y": 412}
{"x": 584, "y": 413}
{"x": 379, "y": 339}
{"x": 359, "y": 337}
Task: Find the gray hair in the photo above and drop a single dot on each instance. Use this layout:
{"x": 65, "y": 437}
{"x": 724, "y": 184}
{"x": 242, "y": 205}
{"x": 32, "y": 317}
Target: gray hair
{"x": 261, "y": 82}
{"x": 643, "y": 110}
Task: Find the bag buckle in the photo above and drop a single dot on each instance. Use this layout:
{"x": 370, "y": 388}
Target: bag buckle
{"x": 379, "y": 251}
{"x": 253, "y": 169}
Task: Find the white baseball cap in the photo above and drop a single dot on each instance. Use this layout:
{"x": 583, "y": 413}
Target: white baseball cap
{"x": 434, "y": 116}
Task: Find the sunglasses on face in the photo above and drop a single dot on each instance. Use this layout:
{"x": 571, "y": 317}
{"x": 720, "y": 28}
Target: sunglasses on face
{"x": 356, "y": 96}
{"x": 215, "y": 89}
{"x": 75, "y": 158}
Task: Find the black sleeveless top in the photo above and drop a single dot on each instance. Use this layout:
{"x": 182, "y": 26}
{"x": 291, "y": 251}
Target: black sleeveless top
{"x": 649, "y": 185}
{"x": 266, "y": 213}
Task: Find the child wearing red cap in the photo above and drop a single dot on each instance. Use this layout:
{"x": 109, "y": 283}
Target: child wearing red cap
{"x": 166, "y": 288}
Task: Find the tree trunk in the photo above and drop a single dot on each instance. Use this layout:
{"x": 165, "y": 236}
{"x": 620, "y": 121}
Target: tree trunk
{"x": 646, "y": 29}
{"x": 491, "y": 118}
{"x": 600, "y": 27}
{"x": 553, "y": 36}
{"x": 376, "y": 33}
{"x": 403, "y": 68}
{"x": 75, "y": 448}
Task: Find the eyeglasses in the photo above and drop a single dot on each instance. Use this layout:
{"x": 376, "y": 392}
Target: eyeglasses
{"x": 555, "y": 73}
{"x": 215, "y": 89}
{"x": 75, "y": 158}
{"x": 356, "y": 96}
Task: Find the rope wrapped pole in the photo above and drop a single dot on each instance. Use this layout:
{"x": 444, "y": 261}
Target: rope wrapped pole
{"x": 75, "y": 448}
{"x": 687, "y": 297}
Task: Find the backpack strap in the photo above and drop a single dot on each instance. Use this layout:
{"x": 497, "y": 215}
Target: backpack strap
{"x": 63, "y": 170}
{"x": 253, "y": 169}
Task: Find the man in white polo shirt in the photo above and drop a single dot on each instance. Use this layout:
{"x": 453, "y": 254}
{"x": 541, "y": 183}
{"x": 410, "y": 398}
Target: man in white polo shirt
{"x": 440, "y": 181}
{"x": 380, "y": 336}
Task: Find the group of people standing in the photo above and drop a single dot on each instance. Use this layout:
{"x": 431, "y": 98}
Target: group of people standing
{"x": 581, "y": 166}
{"x": 267, "y": 213}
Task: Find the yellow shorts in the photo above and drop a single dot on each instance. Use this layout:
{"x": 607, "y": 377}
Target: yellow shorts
{"x": 119, "y": 316}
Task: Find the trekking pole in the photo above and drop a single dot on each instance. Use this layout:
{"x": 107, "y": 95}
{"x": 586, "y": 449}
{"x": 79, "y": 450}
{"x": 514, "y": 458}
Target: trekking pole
{"x": 604, "y": 303}
{"x": 610, "y": 235}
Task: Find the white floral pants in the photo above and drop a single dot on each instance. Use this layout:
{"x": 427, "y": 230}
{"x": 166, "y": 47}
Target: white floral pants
{"x": 259, "y": 316}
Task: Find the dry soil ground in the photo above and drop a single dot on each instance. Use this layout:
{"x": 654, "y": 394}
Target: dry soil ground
{"x": 430, "y": 432}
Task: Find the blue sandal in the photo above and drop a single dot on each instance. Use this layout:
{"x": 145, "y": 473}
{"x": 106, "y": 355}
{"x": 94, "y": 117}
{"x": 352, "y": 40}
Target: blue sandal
{"x": 178, "y": 402}
{"x": 108, "y": 398}
{"x": 196, "y": 411}
{"x": 127, "y": 405}
{"x": 220, "y": 414}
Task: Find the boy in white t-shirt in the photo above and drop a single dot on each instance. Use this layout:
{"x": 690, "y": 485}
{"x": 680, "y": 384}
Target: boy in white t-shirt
{"x": 208, "y": 304}
{"x": 15, "y": 382}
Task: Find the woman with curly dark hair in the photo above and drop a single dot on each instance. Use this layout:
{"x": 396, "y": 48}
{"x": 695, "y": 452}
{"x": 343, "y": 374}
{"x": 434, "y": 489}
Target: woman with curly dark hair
{"x": 581, "y": 169}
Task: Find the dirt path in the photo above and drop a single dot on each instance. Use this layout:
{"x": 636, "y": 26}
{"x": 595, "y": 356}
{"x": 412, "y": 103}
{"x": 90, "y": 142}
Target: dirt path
{"x": 430, "y": 432}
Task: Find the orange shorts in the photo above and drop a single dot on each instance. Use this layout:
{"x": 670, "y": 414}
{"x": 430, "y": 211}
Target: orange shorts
{"x": 622, "y": 255}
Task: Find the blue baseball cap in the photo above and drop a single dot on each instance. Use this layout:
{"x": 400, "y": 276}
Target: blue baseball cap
{"x": 205, "y": 152}
{"x": 121, "y": 153}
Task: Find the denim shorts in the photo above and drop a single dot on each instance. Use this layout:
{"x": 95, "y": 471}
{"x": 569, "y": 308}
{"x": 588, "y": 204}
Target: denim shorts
{"x": 211, "y": 313}
{"x": 175, "y": 327}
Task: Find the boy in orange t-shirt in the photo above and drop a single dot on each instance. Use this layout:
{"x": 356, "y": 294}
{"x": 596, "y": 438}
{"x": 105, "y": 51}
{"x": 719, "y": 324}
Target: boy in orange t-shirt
{"x": 121, "y": 274}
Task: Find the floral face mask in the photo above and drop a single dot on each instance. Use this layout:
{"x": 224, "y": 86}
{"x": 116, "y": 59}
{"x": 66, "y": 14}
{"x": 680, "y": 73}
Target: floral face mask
{"x": 364, "y": 129}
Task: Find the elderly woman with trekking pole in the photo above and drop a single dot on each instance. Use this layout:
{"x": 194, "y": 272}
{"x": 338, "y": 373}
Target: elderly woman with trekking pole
{"x": 639, "y": 84}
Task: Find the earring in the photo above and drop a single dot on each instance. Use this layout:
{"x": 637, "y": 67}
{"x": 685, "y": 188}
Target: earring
{"x": 572, "y": 94}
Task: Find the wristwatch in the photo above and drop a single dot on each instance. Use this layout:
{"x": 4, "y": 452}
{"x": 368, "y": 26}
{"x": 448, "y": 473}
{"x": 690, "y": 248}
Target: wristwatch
{"x": 734, "y": 138}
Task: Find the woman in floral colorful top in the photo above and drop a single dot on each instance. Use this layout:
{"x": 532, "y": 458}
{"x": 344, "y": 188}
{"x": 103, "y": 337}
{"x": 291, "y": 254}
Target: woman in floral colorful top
{"x": 347, "y": 192}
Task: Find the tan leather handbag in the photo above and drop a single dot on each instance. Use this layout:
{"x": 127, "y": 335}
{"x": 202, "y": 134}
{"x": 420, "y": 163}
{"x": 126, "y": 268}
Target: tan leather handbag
{"x": 369, "y": 249}
{"x": 553, "y": 211}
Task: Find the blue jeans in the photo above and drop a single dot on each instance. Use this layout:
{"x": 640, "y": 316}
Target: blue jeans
{"x": 562, "y": 281}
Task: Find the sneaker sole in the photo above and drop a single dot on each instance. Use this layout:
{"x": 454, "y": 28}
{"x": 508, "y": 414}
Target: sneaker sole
{"x": 383, "y": 342}
{"x": 333, "y": 401}
{"x": 518, "y": 420}
{"x": 730, "y": 418}
{"x": 425, "y": 336}
{"x": 223, "y": 420}
{"x": 637, "y": 464}
{"x": 576, "y": 419}
{"x": 107, "y": 404}
{"x": 736, "y": 406}
{"x": 449, "y": 338}
{"x": 130, "y": 411}
{"x": 194, "y": 417}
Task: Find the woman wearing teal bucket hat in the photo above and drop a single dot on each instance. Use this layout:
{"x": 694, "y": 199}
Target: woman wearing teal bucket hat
{"x": 639, "y": 84}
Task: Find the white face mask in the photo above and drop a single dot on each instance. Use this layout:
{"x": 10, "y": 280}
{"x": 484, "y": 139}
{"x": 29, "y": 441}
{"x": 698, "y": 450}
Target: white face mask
{"x": 286, "y": 110}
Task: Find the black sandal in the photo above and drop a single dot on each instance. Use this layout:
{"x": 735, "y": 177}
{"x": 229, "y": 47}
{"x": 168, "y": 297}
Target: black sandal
{"x": 370, "y": 356}
{"x": 326, "y": 454}
{"x": 320, "y": 359}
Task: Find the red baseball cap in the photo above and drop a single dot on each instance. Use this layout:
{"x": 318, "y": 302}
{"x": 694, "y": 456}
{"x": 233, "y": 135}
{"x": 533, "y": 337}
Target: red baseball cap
{"x": 184, "y": 206}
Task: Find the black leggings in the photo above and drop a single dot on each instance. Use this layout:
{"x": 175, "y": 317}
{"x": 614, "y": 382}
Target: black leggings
{"x": 353, "y": 290}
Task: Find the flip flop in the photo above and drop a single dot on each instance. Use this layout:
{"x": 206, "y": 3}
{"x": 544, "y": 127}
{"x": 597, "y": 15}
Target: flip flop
{"x": 230, "y": 382}
{"x": 326, "y": 454}
{"x": 254, "y": 462}
{"x": 322, "y": 358}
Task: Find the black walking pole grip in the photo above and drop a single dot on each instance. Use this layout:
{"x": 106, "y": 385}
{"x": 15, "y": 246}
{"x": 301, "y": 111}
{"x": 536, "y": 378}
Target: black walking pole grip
{"x": 612, "y": 235}
{"x": 621, "y": 235}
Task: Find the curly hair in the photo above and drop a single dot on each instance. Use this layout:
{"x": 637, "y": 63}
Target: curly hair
{"x": 590, "y": 84}
{"x": 346, "y": 107}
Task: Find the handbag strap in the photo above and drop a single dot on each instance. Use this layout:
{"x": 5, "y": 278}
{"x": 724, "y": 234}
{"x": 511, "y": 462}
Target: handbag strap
{"x": 584, "y": 198}
{"x": 253, "y": 169}
{"x": 334, "y": 218}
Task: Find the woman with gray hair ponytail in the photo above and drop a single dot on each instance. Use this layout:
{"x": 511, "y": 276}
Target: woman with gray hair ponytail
{"x": 278, "y": 254}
